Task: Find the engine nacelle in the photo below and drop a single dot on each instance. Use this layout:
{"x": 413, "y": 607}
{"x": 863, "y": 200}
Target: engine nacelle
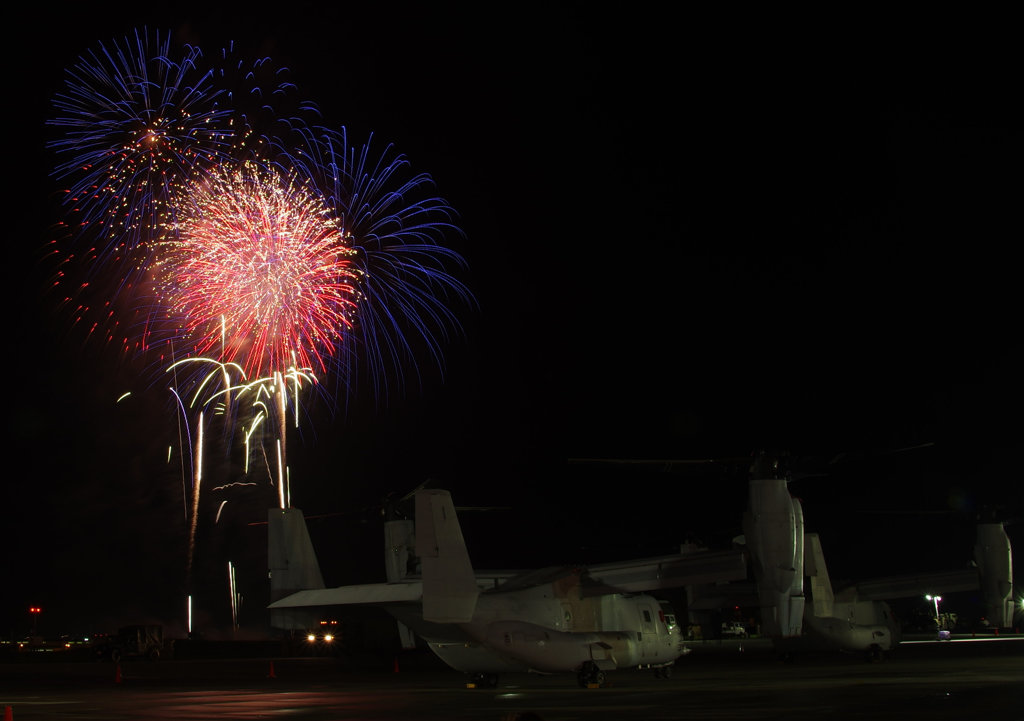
{"x": 994, "y": 558}
{"x": 774, "y": 529}
{"x": 853, "y": 637}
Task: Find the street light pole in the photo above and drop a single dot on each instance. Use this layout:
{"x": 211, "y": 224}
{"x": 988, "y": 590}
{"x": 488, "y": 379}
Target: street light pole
{"x": 936, "y": 600}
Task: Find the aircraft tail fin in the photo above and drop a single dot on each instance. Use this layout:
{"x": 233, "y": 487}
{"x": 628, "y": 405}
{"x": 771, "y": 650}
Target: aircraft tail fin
{"x": 821, "y": 586}
{"x": 449, "y": 584}
{"x": 399, "y": 561}
{"x": 293, "y": 565}
{"x": 399, "y": 549}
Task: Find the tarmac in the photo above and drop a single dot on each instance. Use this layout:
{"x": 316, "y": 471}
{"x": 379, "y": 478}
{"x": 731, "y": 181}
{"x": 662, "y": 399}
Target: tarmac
{"x": 725, "y": 681}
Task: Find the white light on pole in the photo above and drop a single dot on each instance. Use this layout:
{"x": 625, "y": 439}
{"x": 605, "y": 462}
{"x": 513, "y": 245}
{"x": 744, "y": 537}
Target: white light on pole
{"x": 936, "y": 600}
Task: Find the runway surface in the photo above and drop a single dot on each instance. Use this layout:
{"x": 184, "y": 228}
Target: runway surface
{"x": 716, "y": 681}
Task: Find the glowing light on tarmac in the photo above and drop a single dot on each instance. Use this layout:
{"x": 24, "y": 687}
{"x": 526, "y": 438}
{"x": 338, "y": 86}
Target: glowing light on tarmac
{"x": 979, "y": 639}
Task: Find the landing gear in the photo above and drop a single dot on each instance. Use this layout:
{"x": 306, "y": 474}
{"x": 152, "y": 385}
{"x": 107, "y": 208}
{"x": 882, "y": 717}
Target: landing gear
{"x": 484, "y": 680}
{"x": 663, "y": 672}
{"x": 590, "y": 675}
{"x": 875, "y": 654}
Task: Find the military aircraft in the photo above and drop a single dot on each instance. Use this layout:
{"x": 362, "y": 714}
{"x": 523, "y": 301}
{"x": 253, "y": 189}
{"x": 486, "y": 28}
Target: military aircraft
{"x": 788, "y": 569}
{"x": 587, "y": 621}
{"x": 857, "y": 617}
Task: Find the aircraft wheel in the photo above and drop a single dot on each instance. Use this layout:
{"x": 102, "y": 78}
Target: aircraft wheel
{"x": 663, "y": 672}
{"x": 875, "y": 654}
{"x": 583, "y": 677}
{"x": 590, "y": 674}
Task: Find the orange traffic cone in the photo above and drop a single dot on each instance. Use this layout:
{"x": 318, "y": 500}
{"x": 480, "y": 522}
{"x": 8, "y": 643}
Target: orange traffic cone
{"x": 271, "y": 673}
{"x": 8, "y": 714}
{"x": 117, "y": 673}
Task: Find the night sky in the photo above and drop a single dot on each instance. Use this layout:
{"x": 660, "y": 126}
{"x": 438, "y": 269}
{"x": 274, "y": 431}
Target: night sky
{"x": 690, "y": 238}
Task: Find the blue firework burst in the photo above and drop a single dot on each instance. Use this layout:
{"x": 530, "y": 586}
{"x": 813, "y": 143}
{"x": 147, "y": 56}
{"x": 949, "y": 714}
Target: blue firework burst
{"x": 133, "y": 120}
{"x": 410, "y": 296}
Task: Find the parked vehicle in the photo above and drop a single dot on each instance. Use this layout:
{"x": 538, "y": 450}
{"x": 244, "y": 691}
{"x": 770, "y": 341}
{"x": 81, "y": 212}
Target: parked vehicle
{"x": 734, "y": 630}
{"x": 145, "y": 641}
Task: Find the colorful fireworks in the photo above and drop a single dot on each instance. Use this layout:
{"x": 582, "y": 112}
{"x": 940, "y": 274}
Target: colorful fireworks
{"x": 396, "y": 224}
{"x": 153, "y": 142}
{"x": 258, "y": 272}
{"x": 242, "y": 248}
{"x": 132, "y": 121}
{"x": 135, "y": 120}
{"x": 229, "y": 228}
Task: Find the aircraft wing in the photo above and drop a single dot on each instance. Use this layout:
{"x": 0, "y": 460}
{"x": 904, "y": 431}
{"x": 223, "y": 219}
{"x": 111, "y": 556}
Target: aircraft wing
{"x": 633, "y": 576}
{"x": 377, "y": 593}
{"x": 367, "y": 593}
{"x": 881, "y": 589}
{"x": 648, "y": 574}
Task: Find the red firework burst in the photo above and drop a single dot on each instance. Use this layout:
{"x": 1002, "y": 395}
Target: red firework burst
{"x": 257, "y": 272}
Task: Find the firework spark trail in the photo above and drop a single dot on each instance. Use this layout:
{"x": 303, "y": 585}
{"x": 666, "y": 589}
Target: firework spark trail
{"x": 222, "y": 388}
{"x": 187, "y": 434}
{"x": 196, "y": 483}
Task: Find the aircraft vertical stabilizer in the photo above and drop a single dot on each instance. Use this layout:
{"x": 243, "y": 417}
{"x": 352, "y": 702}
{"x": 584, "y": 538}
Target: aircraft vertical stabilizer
{"x": 399, "y": 556}
{"x": 449, "y": 584}
{"x": 821, "y": 586}
{"x": 293, "y": 565}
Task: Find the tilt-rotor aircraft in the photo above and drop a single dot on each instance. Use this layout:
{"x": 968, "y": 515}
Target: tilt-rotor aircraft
{"x": 586, "y": 621}
{"x": 800, "y": 609}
